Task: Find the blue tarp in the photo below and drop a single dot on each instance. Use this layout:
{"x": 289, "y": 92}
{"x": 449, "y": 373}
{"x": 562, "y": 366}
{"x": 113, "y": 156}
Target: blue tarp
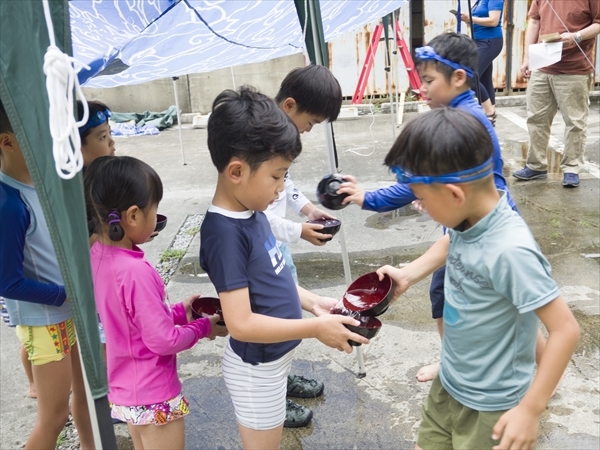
{"x": 130, "y": 42}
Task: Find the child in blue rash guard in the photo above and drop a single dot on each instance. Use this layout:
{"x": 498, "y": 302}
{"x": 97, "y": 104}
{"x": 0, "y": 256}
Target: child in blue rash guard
{"x": 497, "y": 289}
{"x": 446, "y": 68}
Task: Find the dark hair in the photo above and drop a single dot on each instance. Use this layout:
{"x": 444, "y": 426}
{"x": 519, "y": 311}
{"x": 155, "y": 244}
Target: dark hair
{"x": 441, "y": 141}
{"x": 93, "y": 108}
{"x": 315, "y": 90}
{"x": 248, "y": 125}
{"x": 114, "y": 184}
{"x": 455, "y": 47}
{"x": 5, "y": 126}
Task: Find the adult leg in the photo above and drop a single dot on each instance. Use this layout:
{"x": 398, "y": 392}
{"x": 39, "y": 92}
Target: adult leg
{"x": 572, "y": 95}
{"x": 53, "y": 385}
{"x": 260, "y": 439}
{"x": 170, "y": 435}
{"x": 488, "y": 49}
{"x": 28, "y": 372}
{"x": 79, "y": 406}
{"x": 541, "y": 109}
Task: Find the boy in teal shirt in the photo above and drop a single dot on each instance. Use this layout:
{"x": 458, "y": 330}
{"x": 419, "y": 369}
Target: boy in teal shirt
{"x": 497, "y": 285}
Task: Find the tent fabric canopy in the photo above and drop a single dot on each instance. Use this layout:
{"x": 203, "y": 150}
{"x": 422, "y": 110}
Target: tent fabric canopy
{"x": 134, "y": 42}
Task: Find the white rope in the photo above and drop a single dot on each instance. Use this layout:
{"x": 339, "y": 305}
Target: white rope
{"x": 569, "y": 31}
{"x": 61, "y": 79}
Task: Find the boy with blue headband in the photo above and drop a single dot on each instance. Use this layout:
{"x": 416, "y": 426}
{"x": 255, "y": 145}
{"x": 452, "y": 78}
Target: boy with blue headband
{"x": 497, "y": 288}
{"x": 446, "y": 67}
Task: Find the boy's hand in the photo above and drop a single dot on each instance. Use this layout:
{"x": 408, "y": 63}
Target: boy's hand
{"x": 355, "y": 193}
{"x": 323, "y": 305}
{"x": 518, "y": 428}
{"x": 187, "y": 304}
{"x": 316, "y": 214}
{"x": 310, "y": 233}
{"x": 399, "y": 282}
{"x": 334, "y": 334}
{"x": 217, "y": 330}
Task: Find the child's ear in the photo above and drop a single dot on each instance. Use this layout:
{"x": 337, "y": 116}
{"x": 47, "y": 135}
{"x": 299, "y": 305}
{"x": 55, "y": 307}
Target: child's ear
{"x": 131, "y": 216}
{"x": 235, "y": 170}
{"x": 289, "y": 105}
{"x": 457, "y": 194}
{"x": 6, "y": 141}
{"x": 460, "y": 78}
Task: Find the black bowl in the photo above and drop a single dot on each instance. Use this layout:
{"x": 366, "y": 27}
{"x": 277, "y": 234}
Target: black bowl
{"x": 369, "y": 326}
{"x": 327, "y": 192}
{"x": 161, "y": 223}
{"x": 207, "y": 306}
{"x": 368, "y": 296}
{"x": 330, "y": 226}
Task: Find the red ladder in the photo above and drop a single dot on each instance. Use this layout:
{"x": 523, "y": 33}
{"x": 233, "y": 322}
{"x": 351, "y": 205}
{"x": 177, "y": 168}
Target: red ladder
{"x": 413, "y": 76}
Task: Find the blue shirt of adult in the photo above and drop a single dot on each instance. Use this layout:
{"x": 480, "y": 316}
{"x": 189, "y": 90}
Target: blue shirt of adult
{"x": 482, "y": 9}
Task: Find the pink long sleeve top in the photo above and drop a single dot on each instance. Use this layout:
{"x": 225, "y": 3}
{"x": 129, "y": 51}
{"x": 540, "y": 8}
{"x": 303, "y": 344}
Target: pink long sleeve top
{"x": 143, "y": 331}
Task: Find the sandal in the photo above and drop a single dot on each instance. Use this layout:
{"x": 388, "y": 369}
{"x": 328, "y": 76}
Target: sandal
{"x": 492, "y": 118}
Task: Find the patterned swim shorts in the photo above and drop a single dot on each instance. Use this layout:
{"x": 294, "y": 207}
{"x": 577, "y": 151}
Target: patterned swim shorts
{"x": 154, "y": 414}
{"x": 47, "y": 343}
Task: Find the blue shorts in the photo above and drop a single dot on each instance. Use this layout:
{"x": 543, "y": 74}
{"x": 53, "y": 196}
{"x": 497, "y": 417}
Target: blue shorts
{"x": 436, "y": 293}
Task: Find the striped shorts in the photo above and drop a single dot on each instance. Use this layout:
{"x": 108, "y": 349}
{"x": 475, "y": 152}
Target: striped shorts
{"x": 257, "y": 392}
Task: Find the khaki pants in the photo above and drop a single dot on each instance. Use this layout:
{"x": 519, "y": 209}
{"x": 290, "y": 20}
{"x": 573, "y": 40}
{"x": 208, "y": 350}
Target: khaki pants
{"x": 545, "y": 95}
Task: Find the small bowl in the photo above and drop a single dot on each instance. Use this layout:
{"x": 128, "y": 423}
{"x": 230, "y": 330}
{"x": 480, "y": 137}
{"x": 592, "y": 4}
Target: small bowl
{"x": 207, "y": 306}
{"x": 369, "y": 296}
{"x": 330, "y": 226}
{"x": 161, "y": 223}
{"x": 327, "y": 192}
{"x": 369, "y": 326}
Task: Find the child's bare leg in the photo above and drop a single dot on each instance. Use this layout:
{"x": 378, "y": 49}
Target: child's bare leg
{"x": 28, "y": 371}
{"x": 53, "y": 383}
{"x": 136, "y": 437}
{"x": 260, "y": 439}
{"x": 170, "y": 435}
{"x": 79, "y": 406}
{"x": 428, "y": 373}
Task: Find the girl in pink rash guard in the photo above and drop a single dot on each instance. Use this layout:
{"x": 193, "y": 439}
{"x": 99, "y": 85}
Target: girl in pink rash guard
{"x": 144, "y": 332}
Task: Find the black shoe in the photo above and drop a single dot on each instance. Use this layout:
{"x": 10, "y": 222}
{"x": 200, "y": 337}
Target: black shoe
{"x": 296, "y": 416}
{"x": 300, "y": 387}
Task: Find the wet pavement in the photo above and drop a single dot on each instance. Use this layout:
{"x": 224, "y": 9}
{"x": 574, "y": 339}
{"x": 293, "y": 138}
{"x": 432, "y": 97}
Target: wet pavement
{"x": 381, "y": 410}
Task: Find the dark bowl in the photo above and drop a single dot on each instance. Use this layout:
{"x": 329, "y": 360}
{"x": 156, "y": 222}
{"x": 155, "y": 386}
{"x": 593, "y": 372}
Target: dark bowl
{"x": 327, "y": 192}
{"x": 369, "y": 296}
{"x": 369, "y": 326}
{"x": 207, "y": 306}
{"x": 161, "y": 223}
{"x": 330, "y": 226}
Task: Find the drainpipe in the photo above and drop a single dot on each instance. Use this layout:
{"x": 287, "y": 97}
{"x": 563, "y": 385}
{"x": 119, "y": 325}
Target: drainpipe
{"x": 510, "y": 26}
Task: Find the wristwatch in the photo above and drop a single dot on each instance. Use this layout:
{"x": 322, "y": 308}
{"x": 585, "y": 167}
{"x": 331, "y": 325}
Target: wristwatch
{"x": 578, "y": 37}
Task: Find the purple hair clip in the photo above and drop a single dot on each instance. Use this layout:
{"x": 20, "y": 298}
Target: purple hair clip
{"x": 113, "y": 218}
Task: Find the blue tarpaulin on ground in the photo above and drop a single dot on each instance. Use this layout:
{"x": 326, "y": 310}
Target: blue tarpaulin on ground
{"x": 126, "y": 42}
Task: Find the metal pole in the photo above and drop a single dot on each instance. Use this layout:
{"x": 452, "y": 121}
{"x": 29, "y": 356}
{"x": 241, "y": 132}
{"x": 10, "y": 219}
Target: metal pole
{"x": 477, "y": 88}
{"x": 333, "y": 169}
{"x": 178, "y": 118}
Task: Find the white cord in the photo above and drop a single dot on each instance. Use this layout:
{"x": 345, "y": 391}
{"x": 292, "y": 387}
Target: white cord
{"x": 61, "y": 78}
{"x": 568, "y": 31}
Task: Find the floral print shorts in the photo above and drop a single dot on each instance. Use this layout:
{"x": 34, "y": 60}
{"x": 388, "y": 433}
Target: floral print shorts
{"x": 154, "y": 414}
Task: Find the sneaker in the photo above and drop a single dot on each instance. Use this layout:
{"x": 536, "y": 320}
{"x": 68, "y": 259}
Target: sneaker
{"x": 570, "y": 180}
{"x": 296, "y": 416}
{"x": 300, "y": 387}
{"x": 527, "y": 174}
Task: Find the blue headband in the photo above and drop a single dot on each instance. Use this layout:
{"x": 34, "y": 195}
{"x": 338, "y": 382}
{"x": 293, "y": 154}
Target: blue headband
{"x": 464, "y": 176}
{"x": 97, "y": 119}
{"x": 428, "y": 53}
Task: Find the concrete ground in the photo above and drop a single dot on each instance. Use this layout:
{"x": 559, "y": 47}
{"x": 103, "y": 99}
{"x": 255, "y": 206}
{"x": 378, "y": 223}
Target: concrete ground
{"x": 381, "y": 410}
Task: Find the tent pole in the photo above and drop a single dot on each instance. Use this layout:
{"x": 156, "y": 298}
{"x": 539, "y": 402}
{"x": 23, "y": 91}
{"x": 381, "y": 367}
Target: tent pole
{"x": 178, "y": 118}
{"x": 90, "y": 403}
{"x": 317, "y": 40}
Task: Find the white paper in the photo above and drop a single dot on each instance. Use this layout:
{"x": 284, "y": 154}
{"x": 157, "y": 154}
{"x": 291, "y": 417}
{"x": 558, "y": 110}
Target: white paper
{"x": 542, "y": 55}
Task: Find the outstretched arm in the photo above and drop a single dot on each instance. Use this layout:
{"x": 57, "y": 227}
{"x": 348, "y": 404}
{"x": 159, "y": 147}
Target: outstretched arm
{"x": 381, "y": 200}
